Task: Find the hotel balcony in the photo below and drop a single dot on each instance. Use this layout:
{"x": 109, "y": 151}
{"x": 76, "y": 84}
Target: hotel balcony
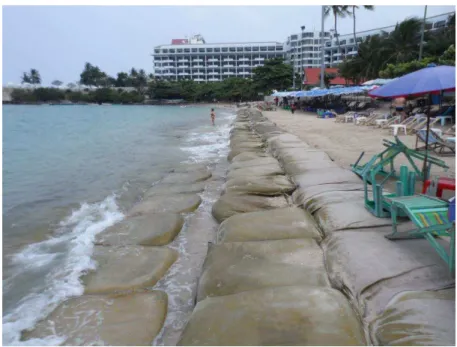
{"x": 210, "y": 60}
{"x": 339, "y": 61}
{"x": 258, "y": 65}
{"x": 168, "y": 74}
{"x": 197, "y": 66}
{"x": 213, "y": 79}
{"x": 199, "y": 79}
{"x": 244, "y": 65}
{"x": 213, "y": 73}
{"x": 337, "y": 54}
{"x": 259, "y": 59}
{"x": 243, "y": 59}
{"x": 244, "y": 73}
{"x": 168, "y": 67}
{"x": 183, "y": 60}
{"x": 183, "y": 66}
{"x": 183, "y": 74}
{"x": 352, "y": 53}
{"x": 229, "y": 73}
{"x": 214, "y": 66}
{"x": 198, "y": 60}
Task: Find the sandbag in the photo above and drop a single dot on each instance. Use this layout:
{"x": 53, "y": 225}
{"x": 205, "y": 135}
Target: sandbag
{"x": 286, "y": 155}
{"x": 156, "y": 229}
{"x": 109, "y": 320}
{"x": 284, "y": 316}
{"x": 166, "y": 189}
{"x": 295, "y": 168}
{"x": 230, "y": 204}
{"x": 347, "y": 215}
{"x": 372, "y": 269}
{"x": 187, "y": 177}
{"x": 417, "y": 319}
{"x": 302, "y": 194}
{"x": 286, "y": 141}
{"x": 236, "y": 267}
{"x": 235, "y": 151}
{"x": 127, "y": 268}
{"x": 174, "y": 203}
{"x": 278, "y": 224}
{"x": 262, "y": 185}
{"x": 313, "y": 204}
{"x": 249, "y": 156}
{"x": 240, "y": 143}
{"x": 256, "y": 171}
{"x": 253, "y": 162}
{"x": 326, "y": 176}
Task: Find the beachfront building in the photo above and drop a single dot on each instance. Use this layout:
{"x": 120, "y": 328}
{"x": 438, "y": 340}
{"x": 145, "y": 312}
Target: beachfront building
{"x": 303, "y": 50}
{"x": 197, "y": 60}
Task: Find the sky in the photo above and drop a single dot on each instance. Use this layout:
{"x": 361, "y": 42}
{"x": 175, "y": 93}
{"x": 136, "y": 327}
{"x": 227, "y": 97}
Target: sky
{"x": 58, "y": 40}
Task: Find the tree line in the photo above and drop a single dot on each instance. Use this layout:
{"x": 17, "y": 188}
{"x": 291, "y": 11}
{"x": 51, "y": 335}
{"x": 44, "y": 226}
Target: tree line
{"x": 394, "y": 54}
{"x": 275, "y": 74}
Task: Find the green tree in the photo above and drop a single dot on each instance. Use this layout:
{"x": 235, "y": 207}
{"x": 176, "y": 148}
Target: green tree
{"x": 327, "y": 79}
{"x": 354, "y": 7}
{"x": 92, "y": 76}
{"x": 35, "y": 77}
{"x": 57, "y": 83}
{"x": 274, "y": 74}
{"x": 25, "y": 78}
{"x": 403, "y": 43}
{"x": 338, "y": 11}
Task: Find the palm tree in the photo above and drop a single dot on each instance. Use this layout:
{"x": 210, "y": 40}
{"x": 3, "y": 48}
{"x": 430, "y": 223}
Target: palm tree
{"x": 354, "y": 7}
{"x": 403, "y": 42}
{"x": 35, "y": 77}
{"x": 340, "y": 11}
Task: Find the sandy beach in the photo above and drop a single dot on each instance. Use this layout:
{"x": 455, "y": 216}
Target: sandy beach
{"x": 345, "y": 141}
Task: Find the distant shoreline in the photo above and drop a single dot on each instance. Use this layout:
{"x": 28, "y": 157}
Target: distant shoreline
{"x": 186, "y": 104}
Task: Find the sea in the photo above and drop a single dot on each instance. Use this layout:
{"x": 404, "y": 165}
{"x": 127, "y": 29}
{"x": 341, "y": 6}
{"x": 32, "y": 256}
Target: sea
{"x": 70, "y": 172}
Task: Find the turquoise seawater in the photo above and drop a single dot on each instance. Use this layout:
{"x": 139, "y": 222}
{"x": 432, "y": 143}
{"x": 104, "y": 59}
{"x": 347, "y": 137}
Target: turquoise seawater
{"x": 69, "y": 172}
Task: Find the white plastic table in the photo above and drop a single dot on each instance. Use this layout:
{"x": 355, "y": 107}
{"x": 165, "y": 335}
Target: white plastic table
{"x": 346, "y": 118}
{"x": 395, "y": 128}
{"x": 443, "y": 119}
{"x": 359, "y": 119}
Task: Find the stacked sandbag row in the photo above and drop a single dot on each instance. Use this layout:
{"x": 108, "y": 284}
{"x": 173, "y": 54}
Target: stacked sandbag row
{"x": 264, "y": 281}
{"x": 401, "y": 289}
{"x": 118, "y": 307}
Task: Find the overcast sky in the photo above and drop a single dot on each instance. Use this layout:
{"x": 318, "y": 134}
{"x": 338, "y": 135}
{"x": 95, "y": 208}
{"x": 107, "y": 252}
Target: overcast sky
{"x": 58, "y": 40}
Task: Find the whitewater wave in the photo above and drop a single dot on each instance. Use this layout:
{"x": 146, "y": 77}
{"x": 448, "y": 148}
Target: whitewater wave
{"x": 70, "y": 252}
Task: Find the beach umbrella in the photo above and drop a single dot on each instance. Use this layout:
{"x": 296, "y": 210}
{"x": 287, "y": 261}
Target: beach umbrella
{"x": 430, "y": 80}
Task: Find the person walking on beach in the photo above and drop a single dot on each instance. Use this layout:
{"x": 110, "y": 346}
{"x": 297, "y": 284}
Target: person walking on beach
{"x": 399, "y": 104}
{"x": 293, "y": 107}
{"x": 276, "y": 101}
{"x": 213, "y": 116}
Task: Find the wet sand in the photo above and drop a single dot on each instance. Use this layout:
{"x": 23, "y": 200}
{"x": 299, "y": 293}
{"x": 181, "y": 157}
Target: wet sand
{"x": 344, "y": 142}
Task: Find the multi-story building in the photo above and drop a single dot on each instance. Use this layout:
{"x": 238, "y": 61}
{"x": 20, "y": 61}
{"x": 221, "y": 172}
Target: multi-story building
{"x": 303, "y": 50}
{"x": 202, "y": 62}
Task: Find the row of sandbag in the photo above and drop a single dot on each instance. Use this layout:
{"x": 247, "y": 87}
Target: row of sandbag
{"x": 402, "y": 290}
{"x": 131, "y": 256}
{"x": 264, "y": 282}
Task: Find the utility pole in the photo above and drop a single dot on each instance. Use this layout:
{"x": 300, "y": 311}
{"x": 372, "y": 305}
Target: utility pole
{"x": 422, "y": 34}
{"x": 322, "y": 47}
{"x": 302, "y": 72}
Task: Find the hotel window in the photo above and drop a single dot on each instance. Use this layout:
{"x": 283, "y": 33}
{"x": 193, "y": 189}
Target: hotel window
{"x": 179, "y": 50}
{"x": 224, "y": 49}
{"x": 209, "y": 50}
{"x": 216, "y": 50}
{"x": 194, "y": 50}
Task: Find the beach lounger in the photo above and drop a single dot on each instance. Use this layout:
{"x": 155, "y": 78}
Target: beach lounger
{"x": 435, "y": 142}
{"x": 420, "y": 124}
{"x": 442, "y": 145}
{"x": 430, "y": 216}
{"x": 393, "y": 120}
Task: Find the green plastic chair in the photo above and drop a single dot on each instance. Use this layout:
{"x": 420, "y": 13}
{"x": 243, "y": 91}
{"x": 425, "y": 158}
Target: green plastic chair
{"x": 429, "y": 215}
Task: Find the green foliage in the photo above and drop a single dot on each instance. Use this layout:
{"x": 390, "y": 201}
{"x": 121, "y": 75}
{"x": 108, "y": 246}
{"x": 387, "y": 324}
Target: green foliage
{"x": 275, "y": 74}
{"x": 327, "y": 78}
{"x": 392, "y": 55}
{"x": 33, "y": 77}
{"x": 397, "y": 70}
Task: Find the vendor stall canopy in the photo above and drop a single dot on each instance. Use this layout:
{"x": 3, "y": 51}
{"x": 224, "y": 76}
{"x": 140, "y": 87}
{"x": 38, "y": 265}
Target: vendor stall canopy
{"x": 323, "y": 92}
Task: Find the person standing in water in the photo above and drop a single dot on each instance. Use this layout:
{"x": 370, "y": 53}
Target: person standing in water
{"x": 213, "y": 116}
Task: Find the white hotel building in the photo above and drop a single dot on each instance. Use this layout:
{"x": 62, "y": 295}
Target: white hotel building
{"x": 202, "y": 62}
{"x": 304, "y": 49}
{"x": 195, "y": 59}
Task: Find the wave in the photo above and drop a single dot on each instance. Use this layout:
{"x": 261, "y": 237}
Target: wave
{"x": 67, "y": 256}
